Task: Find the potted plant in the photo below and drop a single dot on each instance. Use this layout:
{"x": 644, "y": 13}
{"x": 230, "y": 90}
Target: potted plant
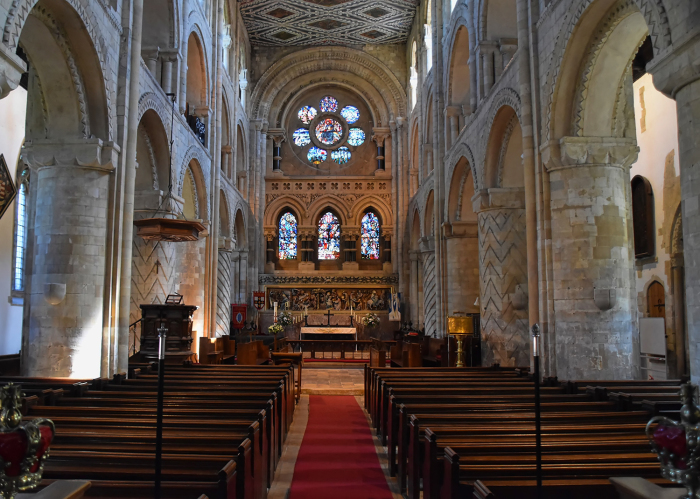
{"x": 370, "y": 320}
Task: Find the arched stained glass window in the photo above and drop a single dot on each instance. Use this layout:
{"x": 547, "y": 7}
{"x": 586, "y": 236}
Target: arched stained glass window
{"x": 288, "y": 237}
{"x": 20, "y": 238}
{"x": 370, "y": 237}
{"x": 328, "y": 237}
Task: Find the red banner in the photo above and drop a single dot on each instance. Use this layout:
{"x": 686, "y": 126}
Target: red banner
{"x": 238, "y": 315}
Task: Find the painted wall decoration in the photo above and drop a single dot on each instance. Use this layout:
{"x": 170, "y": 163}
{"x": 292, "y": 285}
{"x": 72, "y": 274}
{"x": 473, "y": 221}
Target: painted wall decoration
{"x": 313, "y": 299}
{"x": 8, "y": 191}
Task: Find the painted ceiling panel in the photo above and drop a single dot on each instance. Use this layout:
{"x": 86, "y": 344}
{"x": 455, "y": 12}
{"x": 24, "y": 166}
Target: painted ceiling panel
{"x": 328, "y": 22}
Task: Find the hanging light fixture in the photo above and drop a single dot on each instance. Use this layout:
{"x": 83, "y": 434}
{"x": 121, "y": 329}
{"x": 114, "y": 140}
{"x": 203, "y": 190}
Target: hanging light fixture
{"x": 170, "y": 227}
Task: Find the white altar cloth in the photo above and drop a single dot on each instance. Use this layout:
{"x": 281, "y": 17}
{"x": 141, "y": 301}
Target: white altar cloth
{"x": 329, "y": 330}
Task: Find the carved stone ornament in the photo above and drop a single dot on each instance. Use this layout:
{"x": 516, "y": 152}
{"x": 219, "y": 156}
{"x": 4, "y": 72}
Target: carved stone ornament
{"x": 571, "y": 152}
{"x": 327, "y": 279}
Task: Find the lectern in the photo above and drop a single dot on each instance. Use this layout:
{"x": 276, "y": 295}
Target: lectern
{"x": 178, "y": 321}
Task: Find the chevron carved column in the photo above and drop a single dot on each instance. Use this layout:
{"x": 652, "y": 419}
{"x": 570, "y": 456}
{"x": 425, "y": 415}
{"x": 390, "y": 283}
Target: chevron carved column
{"x": 223, "y": 288}
{"x": 503, "y": 275}
{"x": 427, "y": 255}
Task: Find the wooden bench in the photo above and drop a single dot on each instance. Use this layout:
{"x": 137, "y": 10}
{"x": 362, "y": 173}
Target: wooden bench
{"x": 254, "y": 353}
{"x": 406, "y": 355}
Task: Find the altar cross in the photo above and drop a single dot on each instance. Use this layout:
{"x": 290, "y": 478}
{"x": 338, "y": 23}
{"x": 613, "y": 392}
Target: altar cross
{"x": 329, "y": 316}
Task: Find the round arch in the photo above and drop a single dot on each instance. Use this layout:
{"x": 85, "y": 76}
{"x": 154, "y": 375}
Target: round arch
{"x": 325, "y": 203}
{"x": 377, "y": 204}
{"x": 458, "y": 70}
{"x": 343, "y": 59}
{"x": 274, "y": 210}
{"x": 198, "y": 82}
{"x": 239, "y": 227}
{"x": 428, "y": 211}
{"x": 152, "y": 153}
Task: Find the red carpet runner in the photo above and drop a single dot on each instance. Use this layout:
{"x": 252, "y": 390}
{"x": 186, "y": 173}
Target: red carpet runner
{"x": 337, "y": 459}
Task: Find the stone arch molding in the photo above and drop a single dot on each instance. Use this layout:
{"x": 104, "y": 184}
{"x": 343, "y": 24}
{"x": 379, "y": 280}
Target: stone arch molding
{"x": 357, "y": 211}
{"x": 149, "y": 101}
{"x": 461, "y": 151}
{"x": 342, "y": 59}
{"x": 195, "y": 152}
{"x": 506, "y": 97}
{"x": 655, "y": 17}
{"x": 17, "y": 17}
{"x": 231, "y": 212}
{"x": 462, "y": 19}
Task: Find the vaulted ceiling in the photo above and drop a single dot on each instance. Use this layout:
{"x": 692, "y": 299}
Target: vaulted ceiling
{"x": 327, "y": 22}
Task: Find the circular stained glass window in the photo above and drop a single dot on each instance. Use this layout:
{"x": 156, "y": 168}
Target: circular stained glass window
{"x": 351, "y": 114}
{"x": 306, "y": 114}
{"x": 317, "y": 155}
{"x": 301, "y": 137}
{"x": 329, "y": 104}
{"x": 329, "y": 131}
{"x": 356, "y": 137}
{"x": 341, "y": 155}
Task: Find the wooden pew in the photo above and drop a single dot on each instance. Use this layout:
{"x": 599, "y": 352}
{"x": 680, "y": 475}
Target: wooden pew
{"x": 253, "y": 354}
{"x": 406, "y": 355}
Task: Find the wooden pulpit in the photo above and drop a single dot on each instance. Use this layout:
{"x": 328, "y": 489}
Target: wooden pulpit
{"x": 178, "y": 321}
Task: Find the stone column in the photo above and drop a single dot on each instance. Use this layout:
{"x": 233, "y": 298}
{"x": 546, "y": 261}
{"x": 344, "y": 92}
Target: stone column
{"x": 193, "y": 256}
{"x": 243, "y": 277}
{"x": 430, "y": 284}
{"x": 379, "y": 135}
{"x": 462, "y": 266}
{"x": 679, "y": 329}
{"x": 677, "y": 74}
{"x": 167, "y": 75}
{"x": 68, "y": 273}
{"x": 226, "y": 161}
{"x": 235, "y": 276}
{"x": 413, "y": 255}
{"x": 453, "y": 122}
{"x": 223, "y": 288}
{"x": 594, "y": 295}
{"x": 151, "y": 57}
{"x": 278, "y": 135}
{"x": 270, "y": 250}
{"x": 505, "y": 336}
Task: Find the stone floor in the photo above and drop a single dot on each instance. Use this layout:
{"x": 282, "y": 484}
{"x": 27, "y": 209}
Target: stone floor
{"x": 337, "y": 381}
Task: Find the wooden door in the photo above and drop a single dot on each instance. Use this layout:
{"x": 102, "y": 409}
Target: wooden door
{"x": 656, "y": 300}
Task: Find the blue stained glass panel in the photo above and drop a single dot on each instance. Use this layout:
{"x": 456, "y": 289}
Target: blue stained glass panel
{"x": 301, "y": 137}
{"x": 370, "y": 237}
{"x": 288, "y": 237}
{"x": 328, "y": 237}
{"x": 351, "y": 114}
{"x": 356, "y": 137}
{"x": 341, "y": 155}
{"x": 329, "y": 104}
{"x": 306, "y": 114}
{"x": 317, "y": 155}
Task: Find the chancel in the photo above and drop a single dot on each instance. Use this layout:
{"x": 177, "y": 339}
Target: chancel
{"x": 202, "y": 199}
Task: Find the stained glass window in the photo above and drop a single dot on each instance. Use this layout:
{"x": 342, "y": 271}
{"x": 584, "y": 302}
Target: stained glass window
{"x": 288, "y": 237}
{"x": 328, "y": 237}
{"x": 351, "y": 114}
{"x": 306, "y": 114}
{"x": 329, "y": 104}
{"x": 329, "y": 131}
{"x": 356, "y": 137}
{"x": 20, "y": 238}
{"x": 301, "y": 137}
{"x": 317, "y": 155}
{"x": 341, "y": 155}
{"x": 370, "y": 237}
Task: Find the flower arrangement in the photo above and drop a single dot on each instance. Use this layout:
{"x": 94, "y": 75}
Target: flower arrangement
{"x": 275, "y": 329}
{"x": 285, "y": 319}
{"x": 370, "y": 320}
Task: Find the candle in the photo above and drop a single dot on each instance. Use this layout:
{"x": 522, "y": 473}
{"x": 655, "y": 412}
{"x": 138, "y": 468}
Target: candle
{"x": 275, "y": 312}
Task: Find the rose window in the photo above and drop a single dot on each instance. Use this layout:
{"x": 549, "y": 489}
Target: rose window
{"x": 326, "y": 133}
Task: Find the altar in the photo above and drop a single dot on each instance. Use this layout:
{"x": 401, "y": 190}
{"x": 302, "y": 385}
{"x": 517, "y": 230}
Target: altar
{"x": 328, "y": 333}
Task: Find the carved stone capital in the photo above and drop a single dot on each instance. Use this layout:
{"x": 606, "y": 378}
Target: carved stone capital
{"x": 225, "y": 244}
{"x": 678, "y": 67}
{"x": 278, "y": 135}
{"x": 226, "y": 149}
{"x": 426, "y": 244}
{"x": 270, "y": 234}
{"x": 380, "y": 134}
{"x": 11, "y": 69}
{"x": 498, "y": 199}
{"x": 570, "y": 152}
{"x": 87, "y": 153}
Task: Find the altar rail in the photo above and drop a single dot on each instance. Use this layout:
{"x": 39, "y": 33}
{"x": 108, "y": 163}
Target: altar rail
{"x": 341, "y": 346}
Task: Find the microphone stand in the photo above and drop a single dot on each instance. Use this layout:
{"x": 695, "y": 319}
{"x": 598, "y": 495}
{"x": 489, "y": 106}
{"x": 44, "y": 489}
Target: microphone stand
{"x": 162, "y": 333}
{"x": 538, "y": 420}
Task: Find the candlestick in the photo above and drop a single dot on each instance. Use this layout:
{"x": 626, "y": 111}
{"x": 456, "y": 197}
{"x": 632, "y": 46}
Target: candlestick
{"x": 275, "y": 312}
